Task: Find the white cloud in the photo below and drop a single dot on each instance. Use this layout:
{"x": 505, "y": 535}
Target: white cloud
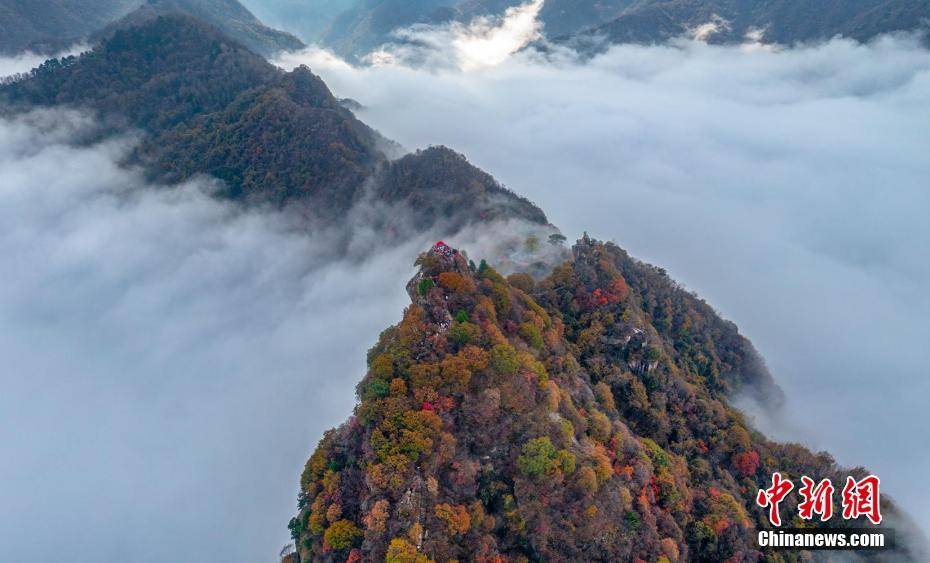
{"x": 484, "y": 42}
{"x": 26, "y": 61}
{"x": 169, "y": 361}
{"x": 787, "y": 187}
{"x": 708, "y": 29}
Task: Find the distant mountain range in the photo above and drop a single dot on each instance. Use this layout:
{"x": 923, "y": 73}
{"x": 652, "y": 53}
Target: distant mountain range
{"x": 229, "y": 16}
{"x": 308, "y": 19}
{"x": 370, "y": 23}
{"x": 353, "y": 28}
{"x": 211, "y": 106}
{"x": 735, "y": 21}
{"x": 47, "y": 26}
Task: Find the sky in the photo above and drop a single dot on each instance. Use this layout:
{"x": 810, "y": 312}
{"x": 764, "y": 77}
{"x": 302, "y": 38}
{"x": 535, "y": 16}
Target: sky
{"x": 171, "y": 361}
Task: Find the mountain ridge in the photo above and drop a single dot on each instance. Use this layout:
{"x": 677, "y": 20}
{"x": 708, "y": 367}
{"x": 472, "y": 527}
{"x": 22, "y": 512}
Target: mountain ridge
{"x": 786, "y": 22}
{"x": 583, "y": 416}
{"x": 229, "y": 16}
{"x": 49, "y": 26}
{"x": 592, "y": 25}
{"x": 207, "y": 105}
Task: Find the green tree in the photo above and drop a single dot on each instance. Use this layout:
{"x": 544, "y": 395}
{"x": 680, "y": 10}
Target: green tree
{"x": 537, "y": 457}
{"x": 425, "y": 285}
{"x": 342, "y": 534}
{"x": 504, "y": 359}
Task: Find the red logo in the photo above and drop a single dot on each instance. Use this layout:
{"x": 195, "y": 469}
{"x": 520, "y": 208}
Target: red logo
{"x": 817, "y": 499}
{"x": 772, "y": 496}
{"x": 859, "y": 498}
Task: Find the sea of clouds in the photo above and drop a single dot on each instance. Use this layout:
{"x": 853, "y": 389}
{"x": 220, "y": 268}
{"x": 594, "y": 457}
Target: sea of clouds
{"x": 787, "y": 186}
{"x": 170, "y": 360}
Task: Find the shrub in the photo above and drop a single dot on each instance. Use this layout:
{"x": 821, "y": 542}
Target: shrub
{"x": 540, "y": 457}
{"x": 565, "y": 461}
{"x": 501, "y": 297}
{"x": 342, "y": 534}
{"x": 599, "y": 426}
{"x": 504, "y": 359}
{"x": 376, "y": 519}
{"x": 424, "y": 286}
{"x": 632, "y": 520}
{"x": 455, "y": 372}
{"x": 587, "y": 479}
{"x": 456, "y": 518}
{"x": 402, "y": 551}
{"x": 747, "y": 463}
{"x": 456, "y": 282}
{"x": 537, "y": 457}
{"x": 531, "y": 335}
{"x": 522, "y": 282}
{"x": 658, "y": 456}
{"x": 382, "y": 367}
{"x": 464, "y": 332}
{"x": 376, "y": 389}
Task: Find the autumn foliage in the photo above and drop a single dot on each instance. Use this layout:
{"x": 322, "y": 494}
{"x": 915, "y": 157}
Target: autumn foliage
{"x": 588, "y": 421}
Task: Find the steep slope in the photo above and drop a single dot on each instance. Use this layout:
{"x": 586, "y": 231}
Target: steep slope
{"x": 784, "y": 21}
{"x": 583, "y": 417}
{"x": 229, "y": 16}
{"x": 438, "y": 182}
{"x": 286, "y": 141}
{"x": 152, "y": 76}
{"x": 210, "y": 106}
{"x": 46, "y": 26}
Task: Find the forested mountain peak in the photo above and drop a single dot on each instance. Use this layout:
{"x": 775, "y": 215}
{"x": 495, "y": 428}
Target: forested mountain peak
{"x": 208, "y": 105}
{"x": 439, "y": 182}
{"x": 580, "y": 417}
{"x": 154, "y": 75}
{"x": 230, "y": 16}
{"x": 51, "y": 25}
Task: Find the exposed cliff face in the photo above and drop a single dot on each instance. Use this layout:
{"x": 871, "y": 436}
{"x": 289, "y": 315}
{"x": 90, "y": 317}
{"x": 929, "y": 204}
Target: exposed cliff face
{"x": 581, "y": 417}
